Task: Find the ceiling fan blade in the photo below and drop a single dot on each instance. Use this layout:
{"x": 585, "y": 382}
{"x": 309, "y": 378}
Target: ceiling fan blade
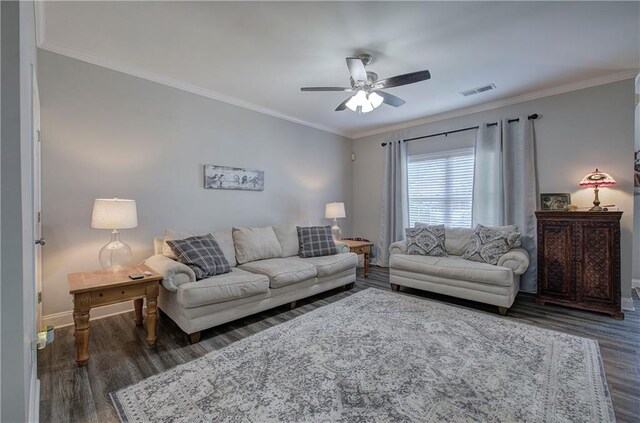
{"x": 356, "y": 68}
{"x": 407, "y": 78}
{"x": 343, "y": 105}
{"x": 326, "y": 89}
{"x": 391, "y": 99}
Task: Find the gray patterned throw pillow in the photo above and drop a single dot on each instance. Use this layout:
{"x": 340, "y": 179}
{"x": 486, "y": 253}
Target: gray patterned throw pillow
{"x": 202, "y": 254}
{"x": 316, "y": 241}
{"x": 487, "y": 245}
{"x": 426, "y": 241}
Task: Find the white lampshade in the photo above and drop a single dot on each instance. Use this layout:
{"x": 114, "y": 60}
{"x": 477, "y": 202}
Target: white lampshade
{"x": 114, "y": 213}
{"x": 334, "y": 211}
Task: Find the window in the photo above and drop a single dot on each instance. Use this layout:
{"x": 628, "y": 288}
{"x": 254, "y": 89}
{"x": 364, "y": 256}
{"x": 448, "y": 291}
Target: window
{"x": 440, "y": 188}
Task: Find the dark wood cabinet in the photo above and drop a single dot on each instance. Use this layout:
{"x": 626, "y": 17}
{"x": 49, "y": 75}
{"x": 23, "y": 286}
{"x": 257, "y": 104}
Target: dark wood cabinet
{"x": 579, "y": 260}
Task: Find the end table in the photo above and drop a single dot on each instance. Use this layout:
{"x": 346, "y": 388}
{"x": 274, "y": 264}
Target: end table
{"x": 104, "y": 287}
{"x": 360, "y": 247}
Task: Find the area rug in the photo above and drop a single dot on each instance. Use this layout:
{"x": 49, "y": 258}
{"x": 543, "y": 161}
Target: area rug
{"x": 382, "y": 356}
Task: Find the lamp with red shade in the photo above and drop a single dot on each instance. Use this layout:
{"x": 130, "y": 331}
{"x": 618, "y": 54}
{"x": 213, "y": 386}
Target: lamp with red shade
{"x": 597, "y": 179}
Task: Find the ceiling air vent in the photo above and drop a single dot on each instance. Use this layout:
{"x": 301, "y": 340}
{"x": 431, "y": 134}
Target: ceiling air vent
{"x": 478, "y": 90}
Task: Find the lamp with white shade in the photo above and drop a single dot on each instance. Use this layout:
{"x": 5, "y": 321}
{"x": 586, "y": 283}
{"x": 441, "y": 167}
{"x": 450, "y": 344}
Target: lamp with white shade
{"x": 114, "y": 214}
{"x": 335, "y": 211}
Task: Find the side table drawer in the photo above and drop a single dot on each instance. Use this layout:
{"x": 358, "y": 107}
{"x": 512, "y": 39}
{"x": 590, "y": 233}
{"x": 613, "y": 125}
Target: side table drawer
{"x": 115, "y": 295}
{"x": 361, "y": 250}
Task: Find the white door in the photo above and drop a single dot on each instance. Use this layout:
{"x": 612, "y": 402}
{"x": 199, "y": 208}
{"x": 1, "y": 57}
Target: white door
{"x": 37, "y": 215}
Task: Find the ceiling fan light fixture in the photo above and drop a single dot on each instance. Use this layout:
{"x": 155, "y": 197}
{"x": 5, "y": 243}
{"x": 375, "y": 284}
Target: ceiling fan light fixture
{"x": 366, "y": 107}
{"x": 375, "y": 99}
{"x": 358, "y": 99}
{"x": 352, "y": 104}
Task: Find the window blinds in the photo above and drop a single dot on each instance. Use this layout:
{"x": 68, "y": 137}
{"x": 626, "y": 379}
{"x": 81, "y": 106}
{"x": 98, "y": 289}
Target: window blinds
{"x": 440, "y": 188}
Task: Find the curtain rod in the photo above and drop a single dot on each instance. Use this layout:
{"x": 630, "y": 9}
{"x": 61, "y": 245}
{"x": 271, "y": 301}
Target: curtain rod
{"x": 531, "y": 117}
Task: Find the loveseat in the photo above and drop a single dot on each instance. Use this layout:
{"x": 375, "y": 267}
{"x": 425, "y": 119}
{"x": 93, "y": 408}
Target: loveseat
{"x": 452, "y": 275}
{"x": 262, "y": 277}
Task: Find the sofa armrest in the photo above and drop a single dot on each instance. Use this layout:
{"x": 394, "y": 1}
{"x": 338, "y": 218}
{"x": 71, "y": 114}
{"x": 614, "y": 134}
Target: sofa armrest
{"x": 342, "y": 247}
{"x": 399, "y": 247}
{"x": 174, "y": 274}
{"x": 516, "y": 260}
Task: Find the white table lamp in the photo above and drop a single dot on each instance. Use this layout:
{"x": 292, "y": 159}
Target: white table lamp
{"x": 114, "y": 214}
{"x": 335, "y": 211}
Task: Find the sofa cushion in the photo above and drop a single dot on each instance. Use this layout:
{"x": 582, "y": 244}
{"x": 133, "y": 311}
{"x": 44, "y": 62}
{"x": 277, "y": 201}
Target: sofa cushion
{"x": 331, "y": 265}
{"x": 287, "y": 236}
{"x": 202, "y": 254}
{"x": 453, "y": 267}
{"x": 282, "y": 271}
{"x": 426, "y": 240}
{"x": 255, "y": 244}
{"x": 218, "y": 289}
{"x": 316, "y": 241}
{"x": 487, "y": 245}
{"x": 456, "y": 240}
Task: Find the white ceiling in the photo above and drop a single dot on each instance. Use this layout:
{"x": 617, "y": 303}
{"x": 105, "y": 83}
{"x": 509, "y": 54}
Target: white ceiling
{"x": 259, "y": 54}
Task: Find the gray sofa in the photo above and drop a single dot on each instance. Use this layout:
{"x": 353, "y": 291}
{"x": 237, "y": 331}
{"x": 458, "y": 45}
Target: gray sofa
{"x": 252, "y": 286}
{"x": 486, "y": 283}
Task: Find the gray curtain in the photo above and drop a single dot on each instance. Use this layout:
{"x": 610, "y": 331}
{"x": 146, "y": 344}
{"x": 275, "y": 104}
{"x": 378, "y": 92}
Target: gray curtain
{"x": 394, "y": 199}
{"x": 506, "y": 184}
{"x": 488, "y": 195}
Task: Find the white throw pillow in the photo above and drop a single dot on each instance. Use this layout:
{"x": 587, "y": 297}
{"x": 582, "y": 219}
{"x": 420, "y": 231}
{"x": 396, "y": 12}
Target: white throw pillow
{"x": 253, "y": 244}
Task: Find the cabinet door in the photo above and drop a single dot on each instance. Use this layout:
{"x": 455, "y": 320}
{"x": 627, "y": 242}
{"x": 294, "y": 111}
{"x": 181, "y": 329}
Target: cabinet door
{"x": 597, "y": 273}
{"x": 556, "y": 263}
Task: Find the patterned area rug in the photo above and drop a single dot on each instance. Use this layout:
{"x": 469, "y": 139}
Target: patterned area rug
{"x": 382, "y": 356}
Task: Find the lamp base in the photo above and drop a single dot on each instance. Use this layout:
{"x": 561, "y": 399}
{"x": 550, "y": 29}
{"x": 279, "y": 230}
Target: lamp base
{"x": 116, "y": 254}
{"x": 596, "y": 201}
{"x": 336, "y": 231}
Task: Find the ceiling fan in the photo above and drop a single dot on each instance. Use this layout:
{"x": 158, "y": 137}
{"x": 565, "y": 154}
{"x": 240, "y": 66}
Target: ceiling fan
{"x": 367, "y": 88}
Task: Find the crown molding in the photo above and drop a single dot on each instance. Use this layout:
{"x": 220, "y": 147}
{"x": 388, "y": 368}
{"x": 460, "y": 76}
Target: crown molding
{"x": 178, "y": 84}
{"x": 574, "y": 86}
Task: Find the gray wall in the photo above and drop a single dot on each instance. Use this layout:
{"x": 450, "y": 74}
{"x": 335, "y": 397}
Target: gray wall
{"x": 14, "y": 361}
{"x": 576, "y": 132}
{"x": 108, "y": 134}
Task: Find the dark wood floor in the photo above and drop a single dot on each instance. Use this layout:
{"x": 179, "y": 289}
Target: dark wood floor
{"x": 119, "y": 356}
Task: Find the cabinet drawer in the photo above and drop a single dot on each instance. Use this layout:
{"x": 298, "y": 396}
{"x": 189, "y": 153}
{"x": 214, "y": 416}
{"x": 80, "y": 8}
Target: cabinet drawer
{"x": 115, "y": 295}
{"x": 361, "y": 250}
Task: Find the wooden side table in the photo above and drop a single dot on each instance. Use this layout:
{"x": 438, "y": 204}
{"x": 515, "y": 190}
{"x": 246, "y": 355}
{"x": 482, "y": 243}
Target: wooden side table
{"x": 361, "y": 247}
{"x": 104, "y": 287}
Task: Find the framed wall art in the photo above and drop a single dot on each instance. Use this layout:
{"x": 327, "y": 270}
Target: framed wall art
{"x": 224, "y": 177}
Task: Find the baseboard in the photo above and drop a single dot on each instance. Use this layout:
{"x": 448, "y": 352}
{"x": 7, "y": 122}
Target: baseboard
{"x": 627, "y": 304}
{"x": 65, "y": 318}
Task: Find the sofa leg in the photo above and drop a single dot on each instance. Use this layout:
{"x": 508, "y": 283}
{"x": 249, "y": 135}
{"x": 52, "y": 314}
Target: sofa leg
{"x": 293, "y": 305}
{"x": 349, "y": 286}
{"x": 503, "y": 311}
{"x": 395, "y": 287}
{"x": 194, "y": 338}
